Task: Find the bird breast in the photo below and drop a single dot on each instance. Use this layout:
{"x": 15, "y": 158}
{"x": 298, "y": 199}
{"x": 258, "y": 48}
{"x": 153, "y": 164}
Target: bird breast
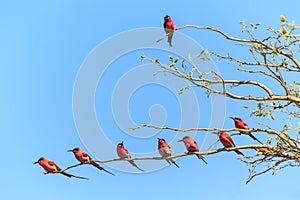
{"x": 164, "y": 151}
{"x": 122, "y": 153}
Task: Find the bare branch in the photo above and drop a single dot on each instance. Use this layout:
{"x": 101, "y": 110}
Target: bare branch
{"x": 252, "y": 41}
{"x": 268, "y": 169}
{"x": 198, "y": 82}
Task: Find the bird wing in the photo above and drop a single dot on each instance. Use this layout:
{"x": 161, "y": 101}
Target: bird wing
{"x": 165, "y": 25}
{"x": 126, "y": 151}
{"x": 244, "y": 123}
{"x": 172, "y": 25}
{"x": 86, "y": 155}
{"x": 52, "y": 163}
{"x": 229, "y": 139}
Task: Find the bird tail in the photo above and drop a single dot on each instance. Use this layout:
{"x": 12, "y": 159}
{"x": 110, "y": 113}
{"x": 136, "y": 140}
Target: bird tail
{"x": 254, "y": 138}
{"x": 67, "y": 174}
{"x": 101, "y": 168}
{"x": 170, "y": 36}
{"x": 201, "y": 157}
{"x": 71, "y": 175}
{"x": 168, "y": 160}
{"x": 172, "y": 161}
{"x": 133, "y": 164}
{"x": 238, "y": 152}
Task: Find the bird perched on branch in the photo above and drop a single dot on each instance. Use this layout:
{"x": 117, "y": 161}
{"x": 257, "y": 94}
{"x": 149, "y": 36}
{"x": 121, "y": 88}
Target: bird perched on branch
{"x": 227, "y": 141}
{"x": 83, "y": 157}
{"x": 191, "y": 146}
{"x": 123, "y": 154}
{"x": 51, "y": 167}
{"x": 239, "y": 123}
{"x": 264, "y": 151}
{"x": 169, "y": 28}
{"x": 165, "y": 151}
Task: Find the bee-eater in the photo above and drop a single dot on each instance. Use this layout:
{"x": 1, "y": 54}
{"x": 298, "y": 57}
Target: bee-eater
{"x": 51, "y": 167}
{"x": 227, "y": 141}
{"x": 239, "y": 123}
{"x": 191, "y": 146}
{"x": 165, "y": 151}
{"x": 123, "y": 154}
{"x": 169, "y": 28}
{"x": 262, "y": 150}
{"x": 83, "y": 157}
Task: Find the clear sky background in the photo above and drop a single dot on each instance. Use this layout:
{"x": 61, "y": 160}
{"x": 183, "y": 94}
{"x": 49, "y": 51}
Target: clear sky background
{"x": 43, "y": 45}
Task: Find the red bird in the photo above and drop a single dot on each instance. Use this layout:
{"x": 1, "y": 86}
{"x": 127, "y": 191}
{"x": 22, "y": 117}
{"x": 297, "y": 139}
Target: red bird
{"x": 169, "y": 28}
{"x": 51, "y": 167}
{"x": 123, "y": 154}
{"x": 227, "y": 141}
{"x": 263, "y": 150}
{"x": 239, "y": 123}
{"x": 191, "y": 146}
{"x": 83, "y": 157}
{"x": 165, "y": 151}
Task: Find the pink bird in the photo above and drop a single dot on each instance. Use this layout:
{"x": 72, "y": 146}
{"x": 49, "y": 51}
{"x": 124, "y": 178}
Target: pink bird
{"x": 169, "y": 28}
{"x": 263, "y": 150}
{"x": 165, "y": 151}
{"x": 83, "y": 157}
{"x": 123, "y": 154}
{"x": 239, "y": 123}
{"x": 191, "y": 146}
{"x": 227, "y": 141}
{"x": 51, "y": 167}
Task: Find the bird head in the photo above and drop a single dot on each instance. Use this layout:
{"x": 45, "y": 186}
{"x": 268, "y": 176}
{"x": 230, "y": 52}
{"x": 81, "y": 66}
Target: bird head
{"x": 184, "y": 138}
{"x": 167, "y": 16}
{"x": 235, "y": 118}
{"x": 161, "y": 141}
{"x": 121, "y": 144}
{"x": 217, "y": 133}
{"x": 36, "y": 162}
{"x": 74, "y": 150}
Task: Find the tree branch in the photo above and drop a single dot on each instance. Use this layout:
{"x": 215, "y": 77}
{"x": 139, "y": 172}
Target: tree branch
{"x": 252, "y": 41}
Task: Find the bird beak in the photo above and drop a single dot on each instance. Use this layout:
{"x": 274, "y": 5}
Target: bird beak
{"x": 158, "y": 138}
{"x": 180, "y": 140}
{"x": 231, "y": 117}
{"x": 36, "y": 162}
{"x": 216, "y": 133}
{"x": 70, "y": 150}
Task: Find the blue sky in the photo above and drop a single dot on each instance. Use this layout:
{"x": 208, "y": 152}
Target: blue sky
{"x": 43, "y": 46}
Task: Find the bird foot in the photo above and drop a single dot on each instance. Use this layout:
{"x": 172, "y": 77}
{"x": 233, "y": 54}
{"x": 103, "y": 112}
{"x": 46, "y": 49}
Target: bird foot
{"x": 190, "y": 153}
{"x": 223, "y": 149}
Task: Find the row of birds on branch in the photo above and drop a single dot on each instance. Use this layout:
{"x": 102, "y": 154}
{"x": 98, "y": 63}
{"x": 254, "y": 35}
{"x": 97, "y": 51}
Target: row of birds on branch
{"x": 163, "y": 148}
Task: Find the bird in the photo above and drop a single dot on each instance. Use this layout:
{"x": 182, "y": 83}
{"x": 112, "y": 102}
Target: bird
{"x": 227, "y": 141}
{"x": 83, "y": 157}
{"x": 169, "y": 28}
{"x": 191, "y": 146}
{"x": 51, "y": 167}
{"x": 165, "y": 151}
{"x": 262, "y": 150}
{"x": 239, "y": 123}
{"x": 123, "y": 154}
